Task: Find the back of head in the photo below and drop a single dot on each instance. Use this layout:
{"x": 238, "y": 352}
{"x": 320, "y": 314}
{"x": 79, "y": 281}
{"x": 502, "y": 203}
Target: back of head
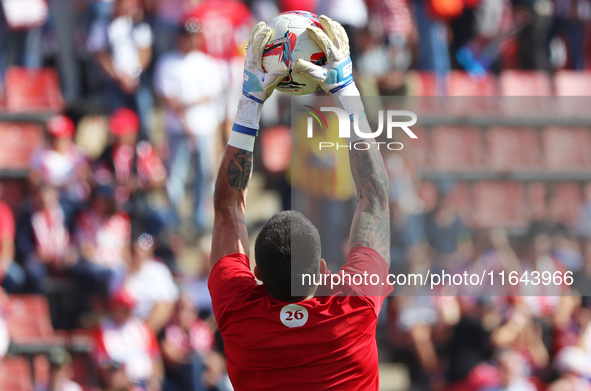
{"x": 287, "y": 247}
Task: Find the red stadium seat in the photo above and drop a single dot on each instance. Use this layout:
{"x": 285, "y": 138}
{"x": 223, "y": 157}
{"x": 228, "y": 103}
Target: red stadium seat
{"x": 416, "y": 149}
{"x": 572, "y": 83}
{"x": 511, "y": 149}
{"x": 33, "y": 90}
{"x": 28, "y": 319}
{"x": 567, "y": 148}
{"x": 13, "y": 191}
{"x": 499, "y": 204}
{"x": 276, "y": 147}
{"x": 19, "y": 141}
{"x": 525, "y": 83}
{"x": 41, "y": 370}
{"x": 422, "y": 83}
{"x": 462, "y": 84}
{"x": 566, "y": 202}
{"x": 456, "y": 148}
{"x": 536, "y": 199}
{"x": 473, "y": 95}
{"x": 15, "y": 374}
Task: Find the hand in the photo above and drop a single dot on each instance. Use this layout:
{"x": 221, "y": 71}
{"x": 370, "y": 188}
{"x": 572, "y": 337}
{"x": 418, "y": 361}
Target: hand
{"x": 258, "y": 85}
{"x": 128, "y": 84}
{"x": 337, "y": 73}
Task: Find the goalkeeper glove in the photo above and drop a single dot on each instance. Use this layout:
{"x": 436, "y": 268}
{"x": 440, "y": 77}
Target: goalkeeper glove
{"x": 257, "y": 86}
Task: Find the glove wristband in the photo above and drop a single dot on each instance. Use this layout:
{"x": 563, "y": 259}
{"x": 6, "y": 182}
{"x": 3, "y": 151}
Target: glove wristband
{"x": 249, "y": 113}
{"x": 241, "y": 141}
{"x": 349, "y": 99}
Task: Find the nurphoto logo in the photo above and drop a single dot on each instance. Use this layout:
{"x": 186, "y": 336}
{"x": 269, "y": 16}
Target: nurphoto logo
{"x": 388, "y": 120}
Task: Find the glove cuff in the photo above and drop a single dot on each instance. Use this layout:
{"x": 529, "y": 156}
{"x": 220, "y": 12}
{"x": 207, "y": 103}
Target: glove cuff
{"x": 241, "y": 140}
{"x": 248, "y": 114}
{"x": 349, "y": 99}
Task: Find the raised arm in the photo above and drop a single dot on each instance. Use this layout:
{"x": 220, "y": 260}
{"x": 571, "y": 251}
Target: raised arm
{"x": 229, "y": 228}
{"x": 229, "y": 201}
{"x": 371, "y": 223}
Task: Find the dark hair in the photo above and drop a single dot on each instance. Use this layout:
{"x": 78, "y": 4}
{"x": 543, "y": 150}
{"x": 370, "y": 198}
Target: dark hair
{"x": 287, "y": 247}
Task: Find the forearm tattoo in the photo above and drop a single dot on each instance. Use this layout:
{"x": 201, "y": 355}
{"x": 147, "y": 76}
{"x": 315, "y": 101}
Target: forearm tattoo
{"x": 371, "y": 228}
{"x": 239, "y": 170}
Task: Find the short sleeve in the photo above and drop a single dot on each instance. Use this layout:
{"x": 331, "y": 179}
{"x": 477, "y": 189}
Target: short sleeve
{"x": 98, "y": 39}
{"x": 230, "y": 280}
{"x": 6, "y": 223}
{"x": 142, "y": 35}
{"x": 367, "y": 263}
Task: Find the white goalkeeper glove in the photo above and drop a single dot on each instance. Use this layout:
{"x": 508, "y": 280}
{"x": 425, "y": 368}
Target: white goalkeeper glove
{"x": 336, "y": 76}
{"x": 257, "y": 84}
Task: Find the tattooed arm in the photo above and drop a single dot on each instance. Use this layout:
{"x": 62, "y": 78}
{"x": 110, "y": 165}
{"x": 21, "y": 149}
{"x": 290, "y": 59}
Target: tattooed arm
{"x": 229, "y": 230}
{"x": 371, "y": 222}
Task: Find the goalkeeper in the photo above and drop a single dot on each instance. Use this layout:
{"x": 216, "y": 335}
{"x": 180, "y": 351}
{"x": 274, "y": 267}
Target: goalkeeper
{"x": 320, "y": 339}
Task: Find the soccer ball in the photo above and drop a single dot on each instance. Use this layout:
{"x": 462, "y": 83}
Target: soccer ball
{"x": 288, "y": 43}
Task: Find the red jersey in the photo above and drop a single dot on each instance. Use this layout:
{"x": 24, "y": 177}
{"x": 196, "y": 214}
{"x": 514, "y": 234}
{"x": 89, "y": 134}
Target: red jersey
{"x": 225, "y": 26}
{"x": 325, "y": 343}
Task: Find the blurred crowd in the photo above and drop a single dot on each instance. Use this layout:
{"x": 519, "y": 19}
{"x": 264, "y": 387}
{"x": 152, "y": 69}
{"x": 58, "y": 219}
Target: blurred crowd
{"x": 110, "y": 218}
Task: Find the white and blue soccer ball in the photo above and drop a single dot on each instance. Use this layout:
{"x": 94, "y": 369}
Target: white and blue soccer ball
{"x": 288, "y": 43}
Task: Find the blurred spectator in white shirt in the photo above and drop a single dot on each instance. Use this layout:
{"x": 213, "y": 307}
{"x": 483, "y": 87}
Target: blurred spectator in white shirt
{"x": 190, "y": 84}
{"x": 122, "y": 47}
{"x": 63, "y": 164}
{"x": 151, "y": 283}
{"x": 125, "y": 339}
{"x": 43, "y": 240}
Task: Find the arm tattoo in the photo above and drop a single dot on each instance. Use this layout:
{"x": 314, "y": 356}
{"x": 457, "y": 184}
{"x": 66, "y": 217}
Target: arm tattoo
{"x": 239, "y": 170}
{"x": 371, "y": 226}
{"x": 240, "y": 221}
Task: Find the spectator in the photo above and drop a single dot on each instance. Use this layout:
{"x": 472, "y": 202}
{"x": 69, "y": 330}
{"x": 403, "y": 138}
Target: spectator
{"x": 63, "y": 165}
{"x": 534, "y": 51}
{"x": 573, "y": 366}
{"x": 187, "y": 349}
{"x": 139, "y": 355}
{"x": 11, "y": 274}
{"x": 444, "y": 228}
{"x": 406, "y": 208}
{"x": 541, "y": 300}
{"x": 492, "y": 253}
{"x": 114, "y": 378}
{"x": 135, "y": 168}
{"x": 513, "y": 373}
{"x": 43, "y": 239}
{"x": 566, "y": 248}
{"x": 433, "y": 50}
{"x": 122, "y": 47}
{"x": 190, "y": 85}
{"x": 60, "y": 372}
{"x": 103, "y": 236}
{"x": 151, "y": 283}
